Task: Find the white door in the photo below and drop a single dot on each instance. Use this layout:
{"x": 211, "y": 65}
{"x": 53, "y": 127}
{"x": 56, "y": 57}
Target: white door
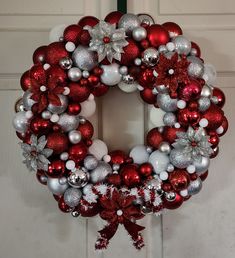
{"x": 30, "y": 224}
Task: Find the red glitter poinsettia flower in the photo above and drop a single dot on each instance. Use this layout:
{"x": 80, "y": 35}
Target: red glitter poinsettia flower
{"x": 119, "y": 209}
{"x": 171, "y": 72}
{"x": 46, "y": 93}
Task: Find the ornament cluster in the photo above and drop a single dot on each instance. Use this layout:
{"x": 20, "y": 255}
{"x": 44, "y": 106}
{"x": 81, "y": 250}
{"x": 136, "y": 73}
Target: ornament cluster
{"x": 82, "y": 62}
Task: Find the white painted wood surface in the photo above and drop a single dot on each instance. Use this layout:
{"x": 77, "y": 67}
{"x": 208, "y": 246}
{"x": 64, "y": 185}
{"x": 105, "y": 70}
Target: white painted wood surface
{"x": 30, "y": 224}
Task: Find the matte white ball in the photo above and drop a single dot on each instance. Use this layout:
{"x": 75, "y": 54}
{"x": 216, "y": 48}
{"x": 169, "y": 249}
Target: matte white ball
{"x": 209, "y": 74}
{"x": 139, "y": 154}
{"x": 88, "y": 108}
{"x": 111, "y": 75}
{"x": 57, "y": 33}
{"x": 128, "y": 87}
{"x": 20, "y": 122}
{"x": 55, "y": 187}
{"x": 98, "y": 149}
{"x": 159, "y": 161}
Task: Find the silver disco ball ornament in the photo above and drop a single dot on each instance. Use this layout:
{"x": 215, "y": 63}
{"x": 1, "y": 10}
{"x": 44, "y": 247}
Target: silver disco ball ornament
{"x": 150, "y": 56}
{"x": 78, "y": 178}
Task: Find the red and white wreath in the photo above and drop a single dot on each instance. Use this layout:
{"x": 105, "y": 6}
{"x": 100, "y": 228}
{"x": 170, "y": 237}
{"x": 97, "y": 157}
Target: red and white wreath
{"x": 135, "y": 54}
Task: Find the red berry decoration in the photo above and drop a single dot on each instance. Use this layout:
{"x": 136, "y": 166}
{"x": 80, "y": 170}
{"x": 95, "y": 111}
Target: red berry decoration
{"x": 131, "y": 53}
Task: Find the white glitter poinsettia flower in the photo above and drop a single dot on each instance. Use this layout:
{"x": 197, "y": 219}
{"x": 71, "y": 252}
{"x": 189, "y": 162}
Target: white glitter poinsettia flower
{"x": 36, "y": 154}
{"x": 107, "y": 41}
{"x": 194, "y": 142}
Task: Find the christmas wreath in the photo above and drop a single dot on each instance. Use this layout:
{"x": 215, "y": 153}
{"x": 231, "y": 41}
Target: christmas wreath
{"x": 133, "y": 53}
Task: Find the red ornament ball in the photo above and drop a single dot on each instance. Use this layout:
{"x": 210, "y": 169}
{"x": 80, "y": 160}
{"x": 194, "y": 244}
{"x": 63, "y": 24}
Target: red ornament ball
{"x": 86, "y": 129}
{"x": 63, "y": 206}
{"x": 72, "y": 32}
{"x": 118, "y": 157}
{"x": 176, "y": 203}
{"x": 58, "y": 74}
{"x": 39, "y": 55}
{"x": 55, "y": 51}
{"x": 131, "y": 52}
{"x": 204, "y": 176}
{"x": 213, "y": 139}
{"x": 157, "y": 35}
{"x": 84, "y": 38}
{"x": 78, "y": 152}
{"x": 40, "y": 126}
{"x": 188, "y": 117}
{"x": 88, "y": 20}
{"x": 179, "y": 179}
{"x": 74, "y": 108}
{"x": 224, "y": 125}
{"x": 148, "y": 96}
{"x": 25, "y": 81}
{"x": 220, "y": 96}
{"x": 145, "y": 169}
{"x": 130, "y": 176}
{"x": 56, "y": 168}
{"x": 38, "y": 73}
{"x": 146, "y": 78}
{"x": 78, "y": 93}
{"x": 39, "y": 175}
{"x": 215, "y": 117}
{"x": 58, "y": 142}
{"x": 113, "y": 17}
{"x": 173, "y": 29}
{"x": 215, "y": 152}
{"x": 196, "y": 48}
{"x": 154, "y": 138}
{"x": 100, "y": 89}
{"x": 169, "y": 133}
{"x": 114, "y": 179}
{"x": 190, "y": 91}
{"x": 88, "y": 210}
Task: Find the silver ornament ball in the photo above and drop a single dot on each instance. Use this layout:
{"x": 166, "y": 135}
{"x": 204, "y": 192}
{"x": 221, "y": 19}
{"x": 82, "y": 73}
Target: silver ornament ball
{"x": 19, "y": 105}
{"x": 74, "y": 74}
{"x": 90, "y": 162}
{"x": 63, "y": 180}
{"x": 46, "y": 114}
{"x": 68, "y": 122}
{"x": 146, "y": 19}
{"x": 170, "y": 196}
{"x": 65, "y": 63}
{"x": 75, "y": 214}
{"x": 169, "y": 119}
{"x": 72, "y": 197}
{"x": 150, "y": 56}
{"x": 180, "y": 159}
{"x": 55, "y": 187}
{"x": 20, "y": 122}
{"x": 166, "y": 103}
{"x": 139, "y": 33}
{"x": 202, "y": 165}
{"x": 100, "y": 172}
{"x": 129, "y": 22}
{"x": 78, "y": 178}
{"x": 162, "y": 49}
{"x": 195, "y": 186}
{"x": 196, "y": 67}
{"x": 182, "y": 45}
{"x": 27, "y": 101}
{"x": 84, "y": 58}
{"x": 164, "y": 147}
{"x": 204, "y": 103}
{"x": 74, "y": 136}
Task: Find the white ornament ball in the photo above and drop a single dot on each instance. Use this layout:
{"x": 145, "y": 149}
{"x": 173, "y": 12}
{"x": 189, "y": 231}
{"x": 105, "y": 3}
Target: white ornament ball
{"x": 98, "y": 149}
{"x": 70, "y": 46}
{"x": 111, "y": 75}
{"x": 20, "y": 122}
{"x": 57, "y": 33}
{"x": 88, "y": 108}
{"x": 128, "y": 87}
{"x": 139, "y": 154}
{"x": 159, "y": 161}
{"x": 156, "y": 116}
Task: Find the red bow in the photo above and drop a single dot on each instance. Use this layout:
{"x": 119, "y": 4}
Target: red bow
{"x": 119, "y": 209}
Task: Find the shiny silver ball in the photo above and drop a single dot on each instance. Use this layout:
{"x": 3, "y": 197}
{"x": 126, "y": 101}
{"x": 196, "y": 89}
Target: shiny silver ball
{"x": 78, "y": 178}
{"x": 63, "y": 180}
{"x": 64, "y": 156}
{"x": 43, "y": 179}
{"x": 128, "y": 79}
{"x": 195, "y": 186}
{"x": 27, "y": 101}
{"x": 74, "y": 74}
{"x": 196, "y": 67}
{"x": 20, "y": 122}
{"x": 68, "y": 122}
{"x": 162, "y": 89}
{"x": 74, "y": 136}
{"x": 84, "y": 58}
{"x": 55, "y": 187}
{"x": 146, "y": 19}
{"x": 169, "y": 119}
{"x": 19, "y": 105}
{"x": 146, "y": 210}
{"x": 154, "y": 184}
{"x": 202, "y": 165}
{"x": 204, "y": 103}
{"x": 170, "y": 168}
{"x": 162, "y": 49}
{"x": 100, "y": 172}
{"x": 116, "y": 167}
{"x": 150, "y": 56}
{"x": 170, "y": 196}
{"x": 164, "y": 147}
{"x": 209, "y": 74}
{"x": 65, "y": 63}
{"x": 59, "y": 109}
{"x": 206, "y": 91}
{"x": 123, "y": 70}
{"x": 129, "y": 22}
{"x": 90, "y": 162}
{"x": 75, "y": 214}
{"x": 139, "y": 33}
{"x": 166, "y": 103}
{"x": 182, "y": 45}
{"x": 72, "y": 197}
{"x": 180, "y": 159}
{"x": 87, "y": 189}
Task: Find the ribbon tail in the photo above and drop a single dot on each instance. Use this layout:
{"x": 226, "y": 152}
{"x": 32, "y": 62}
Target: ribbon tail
{"x": 134, "y": 231}
{"x": 105, "y": 235}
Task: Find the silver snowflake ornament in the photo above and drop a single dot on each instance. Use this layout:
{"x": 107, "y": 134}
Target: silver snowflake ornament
{"x": 194, "y": 142}
{"x": 36, "y": 154}
{"x": 107, "y": 41}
